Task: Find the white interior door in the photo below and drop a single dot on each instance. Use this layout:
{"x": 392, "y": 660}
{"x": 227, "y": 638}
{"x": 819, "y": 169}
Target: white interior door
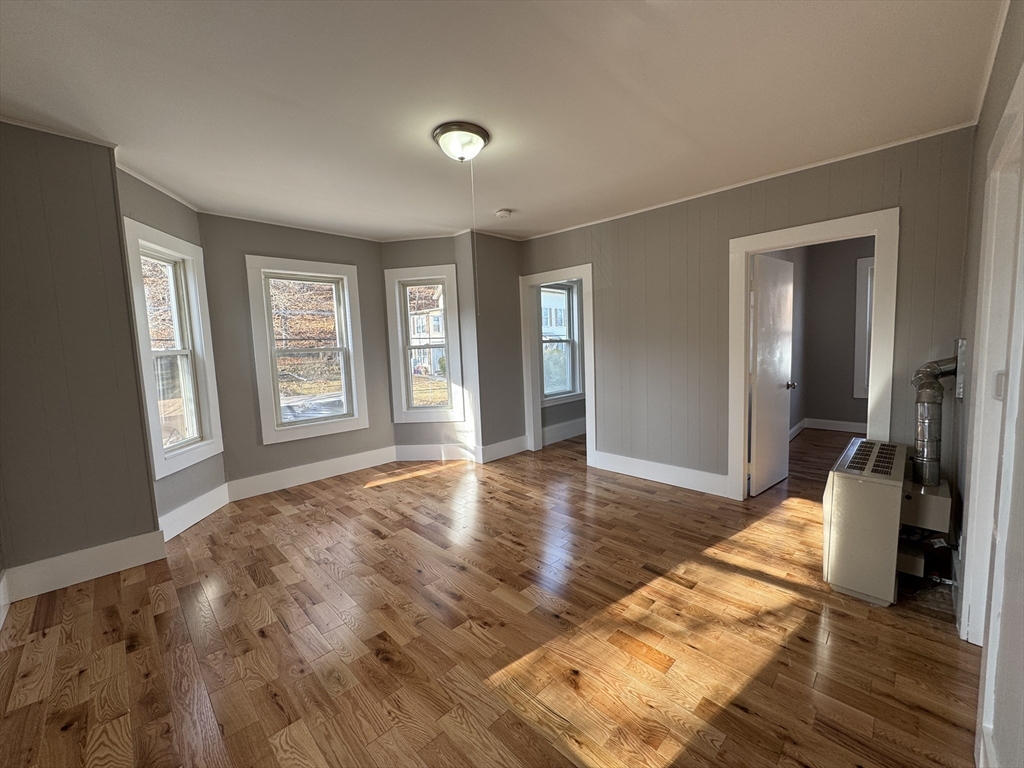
{"x": 771, "y": 336}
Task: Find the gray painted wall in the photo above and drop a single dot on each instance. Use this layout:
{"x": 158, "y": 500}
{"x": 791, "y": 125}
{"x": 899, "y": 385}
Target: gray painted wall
{"x": 661, "y": 290}
{"x": 562, "y": 412}
{"x": 830, "y": 330}
{"x": 1009, "y": 677}
{"x": 499, "y": 340}
{"x": 150, "y": 206}
{"x": 226, "y": 242}
{"x": 73, "y": 445}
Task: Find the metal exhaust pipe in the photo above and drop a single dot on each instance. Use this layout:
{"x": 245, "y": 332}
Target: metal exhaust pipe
{"x": 928, "y": 436}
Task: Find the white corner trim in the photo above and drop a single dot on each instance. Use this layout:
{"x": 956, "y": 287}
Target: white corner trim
{"x": 307, "y": 473}
{"x": 554, "y": 433}
{"x": 681, "y": 477}
{"x": 495, "y": 451}
{"x": 837, "y": 426}
{"x": 797, "y": 428}
{"x": 5, "y": 598}
{"x": 435, "y": 452}
{"x": 43, "y": 576}
{"x": 192, "y": 512}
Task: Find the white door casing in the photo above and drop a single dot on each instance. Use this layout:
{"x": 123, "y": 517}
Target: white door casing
{"x": 771, "y": 368}
{"x": 884, "y": 226}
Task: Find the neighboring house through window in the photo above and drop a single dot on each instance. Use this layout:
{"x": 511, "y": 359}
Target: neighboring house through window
{"x": 560, "y": 335}
{"x": 308, "y": 348}
{"x": 172, "y": 321}
{"x": 423, "y": 329}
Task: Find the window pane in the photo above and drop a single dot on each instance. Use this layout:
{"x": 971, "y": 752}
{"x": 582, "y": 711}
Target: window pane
{"x": 160, "y": 287}
{"x": 428, "y": 370}
{"x": 176, "y": 399}
{"x": 311, "y": 385}
{"x": 425, "y": 306}
{"x": 304, "y": 313}
{"x": 554, "y": 311}
{"x": 557, "y": 367}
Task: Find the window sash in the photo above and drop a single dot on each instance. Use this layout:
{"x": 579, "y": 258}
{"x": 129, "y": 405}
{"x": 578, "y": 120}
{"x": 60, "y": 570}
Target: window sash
{"x": 570, "y": 340}
{"x": 342, "y": 349}
{"x": 408, "y": 346}
{"x": 185, "y": 343}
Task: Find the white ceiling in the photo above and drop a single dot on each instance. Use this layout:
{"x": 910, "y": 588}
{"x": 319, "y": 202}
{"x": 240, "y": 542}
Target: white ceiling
{"x": 319, "y": 115}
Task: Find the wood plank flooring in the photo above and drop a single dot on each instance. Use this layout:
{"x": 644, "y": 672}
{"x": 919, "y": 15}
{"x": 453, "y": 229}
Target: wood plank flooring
{"x": 529, "y": 612}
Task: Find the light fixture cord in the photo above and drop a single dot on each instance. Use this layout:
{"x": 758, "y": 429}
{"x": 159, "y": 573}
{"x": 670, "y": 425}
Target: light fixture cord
{"x": 476, "y": 279}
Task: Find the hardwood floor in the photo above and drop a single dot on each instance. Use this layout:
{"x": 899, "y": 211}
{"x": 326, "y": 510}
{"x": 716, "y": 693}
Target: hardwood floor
{"x": 528, "y": 612}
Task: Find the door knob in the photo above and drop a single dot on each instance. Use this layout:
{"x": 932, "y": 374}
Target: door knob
{"x": 790, "y": 385}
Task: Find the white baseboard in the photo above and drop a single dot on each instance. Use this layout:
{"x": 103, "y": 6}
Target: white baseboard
{"x": 5, "y": 598}
{"x": 691, "y": 479}
{"x": 555, "y": 433}
{"x": 190, "y": 513}
{"x": 73, "y": 567}
{"x": 308, "y": 473}
{"x": 797, "y": 428}
{"x": 495, "y": 451}
{"x": 434, "y": 452}
{"x": 836, "y": 426}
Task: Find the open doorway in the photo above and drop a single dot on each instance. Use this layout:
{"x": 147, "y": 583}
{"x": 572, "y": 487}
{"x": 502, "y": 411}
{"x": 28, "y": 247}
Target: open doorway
{"x": 558, "y": 358}
{"x": 810, "y": 348}
{"x": 752, "y": 441}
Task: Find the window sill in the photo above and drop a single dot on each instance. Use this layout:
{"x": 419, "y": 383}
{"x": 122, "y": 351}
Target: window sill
{"x": 275, "y": 434}
{"x": 167, "y": 464}
{"x": 429, "y": 416}
{"x": 558, "y": 400}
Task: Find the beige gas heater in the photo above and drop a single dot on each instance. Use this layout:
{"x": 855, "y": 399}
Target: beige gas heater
{"x": 861, "y": 510}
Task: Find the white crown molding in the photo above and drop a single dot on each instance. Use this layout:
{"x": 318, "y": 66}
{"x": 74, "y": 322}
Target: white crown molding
{"x": 990, "y": 65}
{"x": 770, "y": 176}
{"x": 67, "y": 134}
{"x": 159, "y": 188}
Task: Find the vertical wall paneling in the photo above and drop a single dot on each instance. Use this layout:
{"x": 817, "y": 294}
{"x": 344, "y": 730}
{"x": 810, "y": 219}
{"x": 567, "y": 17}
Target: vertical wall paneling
{"x": 926, "y": 179}
{"x": 72, "y": 443}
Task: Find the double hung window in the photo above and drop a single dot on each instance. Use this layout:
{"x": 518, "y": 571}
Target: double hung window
{"x": 423, "y": 327}
{"x": 172, "y": 321}
{"x": 307, "y": 348}
{"x": 560, "y": 334}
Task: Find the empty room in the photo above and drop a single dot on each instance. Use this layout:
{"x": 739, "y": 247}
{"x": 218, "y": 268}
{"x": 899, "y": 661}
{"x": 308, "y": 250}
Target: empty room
{"x": 458, "y": 384}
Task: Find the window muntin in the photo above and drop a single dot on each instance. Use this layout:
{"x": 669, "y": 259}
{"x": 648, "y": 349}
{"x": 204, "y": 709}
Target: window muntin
{"x": 309, "y": 354}
{"x": 428, "y": 383}
{"x": 559, "y": 341}
{"x": 170, "y": 340}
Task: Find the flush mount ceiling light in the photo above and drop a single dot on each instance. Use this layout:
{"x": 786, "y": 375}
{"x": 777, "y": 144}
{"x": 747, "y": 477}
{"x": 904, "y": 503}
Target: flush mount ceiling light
{"x": 461, "y": 141}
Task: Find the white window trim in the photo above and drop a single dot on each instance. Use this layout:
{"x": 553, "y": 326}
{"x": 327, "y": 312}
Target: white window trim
{"x": 576, "y": 324}
{"x": 137, "y": 237}
{"x": 272, "y": 432}
{"x": 862, "y": 342}
{"x": 393, "y": 280}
